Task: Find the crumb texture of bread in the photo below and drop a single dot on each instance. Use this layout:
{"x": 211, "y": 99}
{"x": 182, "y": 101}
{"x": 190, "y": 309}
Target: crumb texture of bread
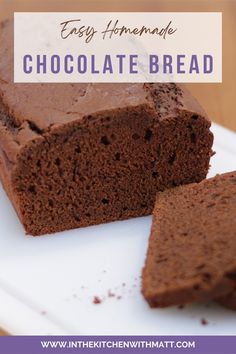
{"x": 229, "y": 300}
{"x": 192, "y": 246}
{"x": 74, "y": 155}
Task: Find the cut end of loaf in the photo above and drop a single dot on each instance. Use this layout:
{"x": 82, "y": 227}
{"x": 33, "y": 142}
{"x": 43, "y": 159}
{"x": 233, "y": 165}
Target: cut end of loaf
{"x": 109, "y": 169}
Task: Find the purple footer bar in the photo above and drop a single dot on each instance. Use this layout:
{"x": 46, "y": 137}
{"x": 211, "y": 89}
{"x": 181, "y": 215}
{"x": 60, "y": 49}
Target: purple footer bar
{"x": 117, "y": 344}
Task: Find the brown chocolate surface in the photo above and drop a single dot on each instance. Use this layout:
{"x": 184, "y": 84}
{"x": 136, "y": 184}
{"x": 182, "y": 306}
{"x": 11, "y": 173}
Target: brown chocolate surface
{"x": 192, "y": 247}
{"x": 74, "y": 155}
{"x": 229, "y": 300}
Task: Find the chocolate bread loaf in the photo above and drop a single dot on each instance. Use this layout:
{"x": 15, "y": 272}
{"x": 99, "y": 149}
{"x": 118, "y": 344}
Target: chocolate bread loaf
{"x": 192, "y": 247}
{"x": 74, "y": 155}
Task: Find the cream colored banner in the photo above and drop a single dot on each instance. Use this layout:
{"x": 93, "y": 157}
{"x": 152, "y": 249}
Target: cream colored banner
{"x": 118, "y": 47}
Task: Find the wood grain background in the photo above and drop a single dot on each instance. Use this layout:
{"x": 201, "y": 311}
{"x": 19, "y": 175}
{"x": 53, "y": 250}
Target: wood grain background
{"x": 217, "y": 99}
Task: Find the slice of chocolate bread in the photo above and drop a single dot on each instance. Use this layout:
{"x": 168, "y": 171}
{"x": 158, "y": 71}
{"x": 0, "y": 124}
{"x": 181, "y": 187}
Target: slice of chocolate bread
{"x": 229, "y": 300}
{"x": 192, "y": 247}
{"x": 74, "y": 155}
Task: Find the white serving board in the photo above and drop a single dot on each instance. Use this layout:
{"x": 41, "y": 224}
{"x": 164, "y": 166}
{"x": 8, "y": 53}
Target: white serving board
{"x": 47, "y": 284}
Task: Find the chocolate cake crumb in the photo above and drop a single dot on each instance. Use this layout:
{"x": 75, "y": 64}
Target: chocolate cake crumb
{"x": 97, "y": 300}
{"x": 204, "y": 322}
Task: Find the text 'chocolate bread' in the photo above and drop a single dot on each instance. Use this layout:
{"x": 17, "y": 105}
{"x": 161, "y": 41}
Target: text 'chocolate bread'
{"x": 74, "y": 155}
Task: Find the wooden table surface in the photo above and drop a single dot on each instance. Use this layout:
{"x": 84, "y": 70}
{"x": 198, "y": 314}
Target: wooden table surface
{"x": 217, "y": 99}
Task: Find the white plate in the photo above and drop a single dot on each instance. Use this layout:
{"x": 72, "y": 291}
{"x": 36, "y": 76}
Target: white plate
{"x": 47, "y": 284}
